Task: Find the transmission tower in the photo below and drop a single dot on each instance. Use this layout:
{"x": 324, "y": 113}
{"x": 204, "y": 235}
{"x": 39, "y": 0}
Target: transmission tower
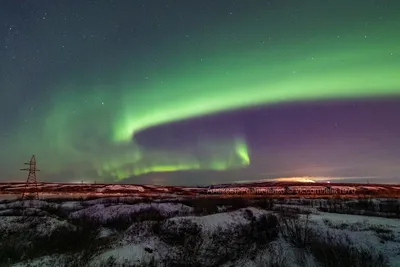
{"x": 31, "y": 187}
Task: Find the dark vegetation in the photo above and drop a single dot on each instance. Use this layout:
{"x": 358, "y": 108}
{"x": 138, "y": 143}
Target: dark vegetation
{"x": 389, "y": 208}
{"x": 383, "y": 233}
{"x": 16, "y": 246}
{"x": 328, "y": 249}
{"x": 123, "y": 222}
{"x": 206, "y": 206}
{"x": 221, "y": 245}
{"x": 193, "y": 245}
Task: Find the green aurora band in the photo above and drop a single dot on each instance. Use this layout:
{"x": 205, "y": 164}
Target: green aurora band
{"x": 223, "y": 78}
{"x": 255, "y": 77}
{"x": 234, "y": 155}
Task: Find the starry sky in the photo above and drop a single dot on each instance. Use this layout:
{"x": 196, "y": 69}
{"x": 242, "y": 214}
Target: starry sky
{"x": 199, "y": 92}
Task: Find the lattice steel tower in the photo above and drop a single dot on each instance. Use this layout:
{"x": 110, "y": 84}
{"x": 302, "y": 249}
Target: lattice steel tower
{"x": 31, "y": 187}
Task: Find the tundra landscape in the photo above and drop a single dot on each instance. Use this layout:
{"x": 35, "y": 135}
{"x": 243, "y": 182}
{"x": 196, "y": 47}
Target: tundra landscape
{"x": 166, "y": 226}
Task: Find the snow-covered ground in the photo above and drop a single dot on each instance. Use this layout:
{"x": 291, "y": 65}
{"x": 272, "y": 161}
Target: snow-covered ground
{"x": 103, "y": 213}
{"x": 382, "y": 234}
{"x": 152, "y": 239}
{"x": 42, "y": 226}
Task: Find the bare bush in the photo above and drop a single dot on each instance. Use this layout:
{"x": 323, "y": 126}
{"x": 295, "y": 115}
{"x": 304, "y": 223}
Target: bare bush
{"x": 295, "y": 231}
{"x": 186, "y": 237}
{"x": 383, "y": 233}
{"x": 265, "y": 203}
{"x": 57, "y": 211}
{"x": 29, "y": 244}
{"x": 334, "y": 251}
{"x": 11, "y": 249}
{"x": 193, "y": 247}
{"x": 275, "y": 258}
{"x": 329, "y": 250}
{"x": 389, "y": 208}
{"x": 181, "y": 233}
{"x": 123, "y": 222}
{"x": 63, "y": 240}
{"x": 206, "y": 206}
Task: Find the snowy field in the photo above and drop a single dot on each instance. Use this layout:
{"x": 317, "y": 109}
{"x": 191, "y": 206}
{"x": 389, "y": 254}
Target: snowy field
{"x": 230, "y": 232}
{"x": 273, "y": 189}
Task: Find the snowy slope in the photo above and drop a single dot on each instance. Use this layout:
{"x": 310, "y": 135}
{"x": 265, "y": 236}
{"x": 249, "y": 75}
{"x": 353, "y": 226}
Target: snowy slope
{"x": 38, "y": 226}
{"x": 139, "y": 244}
{"x": 136, "y": 250}
{"x": 103, "y": 213}
{"x": 364, "y": 231}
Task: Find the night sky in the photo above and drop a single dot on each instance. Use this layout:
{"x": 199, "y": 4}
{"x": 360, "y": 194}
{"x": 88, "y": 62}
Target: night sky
{"x": 198, "y": 92}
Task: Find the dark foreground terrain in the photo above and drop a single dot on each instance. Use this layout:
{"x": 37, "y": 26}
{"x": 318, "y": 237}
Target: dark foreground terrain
{"x": 128, "y": 231}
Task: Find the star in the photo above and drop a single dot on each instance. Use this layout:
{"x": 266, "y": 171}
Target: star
{"x": 190, "y": 87}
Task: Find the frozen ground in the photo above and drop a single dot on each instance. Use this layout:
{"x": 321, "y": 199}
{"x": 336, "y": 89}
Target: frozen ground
{"x": 150, "y": 234}
{"x": 381, "y": 234}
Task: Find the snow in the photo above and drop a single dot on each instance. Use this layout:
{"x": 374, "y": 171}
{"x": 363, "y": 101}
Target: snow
{"x": 117, "y": 187}
{"x": 6, "y": 212}
{"x": 220, "y": 220}
{"x": 103, "y": 213}
{"x": 71, "y": 205}
{"x": 41, "y": 226}
{"x": 132, "y": 253}
{"x": 222, "y": 208}
{"x": 162, "y": 189}
{"x": 295, "y": 207}
{"x": 17, "y": 185}
{"x": 347, "y": 218}
{"x": 360, "y": 230}
{"x": 27, "y": 203}
{"x": 105, "y": 232}
{"x": 111, "y": 200}
{"x": 45, "y": 261}
{"x": 372, "y": 187}
{"x": 134, "y": 248}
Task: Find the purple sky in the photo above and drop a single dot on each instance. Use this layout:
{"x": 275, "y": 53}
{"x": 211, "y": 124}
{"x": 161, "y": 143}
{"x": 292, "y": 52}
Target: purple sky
{"x": 357, "y": 140}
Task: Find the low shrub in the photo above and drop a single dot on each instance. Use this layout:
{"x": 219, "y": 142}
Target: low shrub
{"x": 276, "y": 257}
{"x": 57, "y": 211}
{"x": 334, "y": 250}
{"x": 328, "y": 250}
{"x": 295, "y": 231}
{"x": 63, "y": 240}
{"x": 124, "y": 221}
{"x": 204, "y": 206}
{"x": 11, "y": 249}
{"x": 265, "y": 203}
{"x": 181, "y": 233}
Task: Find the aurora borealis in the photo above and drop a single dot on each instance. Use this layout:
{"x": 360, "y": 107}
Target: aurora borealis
{"x": 110, "y": 90}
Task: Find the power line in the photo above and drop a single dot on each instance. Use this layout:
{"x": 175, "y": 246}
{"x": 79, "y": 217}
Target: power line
{"x": 31, "y": 187}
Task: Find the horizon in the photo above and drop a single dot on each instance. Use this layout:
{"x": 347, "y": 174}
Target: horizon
{"x": 281, "y": 180}
{"x": 200, "y": 92}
